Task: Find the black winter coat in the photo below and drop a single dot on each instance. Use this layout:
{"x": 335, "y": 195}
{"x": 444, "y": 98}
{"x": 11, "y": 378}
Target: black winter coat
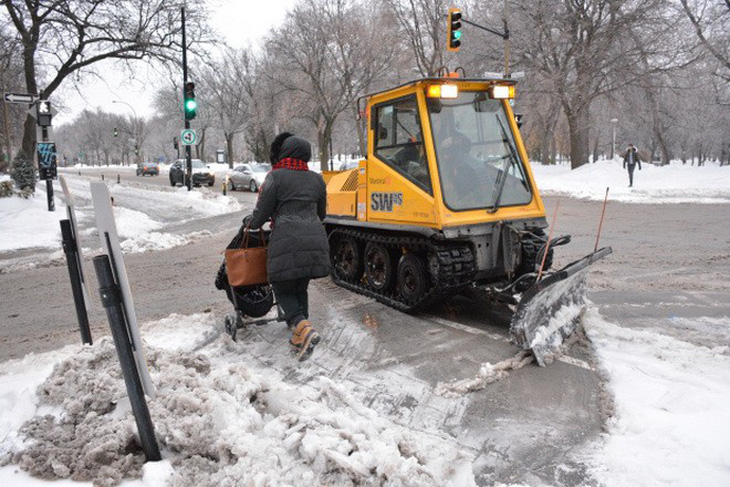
{"x": 296, "y": 201}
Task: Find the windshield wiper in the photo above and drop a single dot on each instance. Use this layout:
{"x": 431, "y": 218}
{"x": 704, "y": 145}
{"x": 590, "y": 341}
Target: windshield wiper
{"x": 502, "y": 176}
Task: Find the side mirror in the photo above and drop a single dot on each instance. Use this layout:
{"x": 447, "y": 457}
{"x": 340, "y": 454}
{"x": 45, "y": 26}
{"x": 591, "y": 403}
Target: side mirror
{"x": 382, "y": 133}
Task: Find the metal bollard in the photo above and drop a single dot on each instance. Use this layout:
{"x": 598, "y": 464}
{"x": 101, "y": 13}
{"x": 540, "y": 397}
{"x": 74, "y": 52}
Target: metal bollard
{"x": 224, "y": 187}
{"x": 72, "y": 260}
{"x": 118, "y": 178}
{"x": 102, "y": 176}
{"x": 111, "y": 299}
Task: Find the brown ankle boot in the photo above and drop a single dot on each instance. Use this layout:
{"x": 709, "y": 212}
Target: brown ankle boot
{"x": 304, "y": 339}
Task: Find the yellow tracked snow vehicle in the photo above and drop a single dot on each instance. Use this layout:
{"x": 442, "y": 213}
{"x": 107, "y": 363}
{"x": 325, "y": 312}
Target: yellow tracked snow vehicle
{"x": 444, "y": 200}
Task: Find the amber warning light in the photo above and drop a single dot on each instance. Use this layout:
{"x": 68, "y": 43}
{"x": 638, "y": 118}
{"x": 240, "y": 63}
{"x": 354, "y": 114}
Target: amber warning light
{"x": 502, "y": 92}
{"x": 442, "y": 91}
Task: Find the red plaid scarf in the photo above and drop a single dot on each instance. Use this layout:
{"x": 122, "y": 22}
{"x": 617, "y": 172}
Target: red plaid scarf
{"x": 290, "y": 163}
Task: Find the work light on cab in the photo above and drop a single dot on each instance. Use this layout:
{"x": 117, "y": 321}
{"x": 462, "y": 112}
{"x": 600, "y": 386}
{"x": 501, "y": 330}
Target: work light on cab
{"x": 442, "y": 91}
{"x": 502, "y": 92}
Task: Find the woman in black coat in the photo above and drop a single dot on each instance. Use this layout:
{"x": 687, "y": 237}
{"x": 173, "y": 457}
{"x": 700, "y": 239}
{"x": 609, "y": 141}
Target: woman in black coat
{"x": 295, "y": 199}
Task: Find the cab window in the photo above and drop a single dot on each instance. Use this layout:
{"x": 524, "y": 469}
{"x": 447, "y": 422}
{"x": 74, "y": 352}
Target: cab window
{"x": 399, "y": 140}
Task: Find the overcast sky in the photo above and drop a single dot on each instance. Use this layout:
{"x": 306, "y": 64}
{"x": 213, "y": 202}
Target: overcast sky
{"x": 239, "y": 22}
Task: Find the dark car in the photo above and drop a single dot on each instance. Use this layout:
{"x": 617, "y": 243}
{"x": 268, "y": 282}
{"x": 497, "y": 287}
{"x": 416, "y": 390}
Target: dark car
{"x": 201, "y": 173}
{"x": 150, "y": 168}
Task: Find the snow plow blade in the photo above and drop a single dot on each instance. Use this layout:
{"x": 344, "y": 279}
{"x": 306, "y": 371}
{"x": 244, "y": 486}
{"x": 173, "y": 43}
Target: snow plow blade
{"x": 550, "y": 310}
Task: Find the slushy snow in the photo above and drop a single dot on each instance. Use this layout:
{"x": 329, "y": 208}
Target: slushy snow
{"x": 219, "y": 419}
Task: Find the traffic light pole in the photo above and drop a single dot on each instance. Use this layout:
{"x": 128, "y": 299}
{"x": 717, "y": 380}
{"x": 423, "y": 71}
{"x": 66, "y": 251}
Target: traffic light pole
{"x": 188, "y": 159}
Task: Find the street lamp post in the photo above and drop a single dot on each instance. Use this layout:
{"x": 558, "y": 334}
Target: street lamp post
{"x": 136, "y": 135}
{"x": 614, "y": 121}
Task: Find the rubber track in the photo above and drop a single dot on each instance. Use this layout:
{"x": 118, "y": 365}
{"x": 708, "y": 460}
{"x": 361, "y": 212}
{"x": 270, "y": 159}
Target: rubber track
{"x": 455, "y": 270}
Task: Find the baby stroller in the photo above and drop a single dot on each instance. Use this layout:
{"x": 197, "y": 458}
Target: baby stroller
{"x": 248, "y": 301}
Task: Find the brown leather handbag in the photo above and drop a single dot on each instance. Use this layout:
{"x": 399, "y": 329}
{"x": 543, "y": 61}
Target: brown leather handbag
{"x": 247, "y": 266}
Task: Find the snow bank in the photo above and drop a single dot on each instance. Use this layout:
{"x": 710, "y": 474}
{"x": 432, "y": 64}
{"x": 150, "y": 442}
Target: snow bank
{"x": 672, "y": 422}
{"x": 27, "y": 223}
{"x": 675, "y": 183}
{"x": 220, "y": 420}
{"x": 141, "y": 214}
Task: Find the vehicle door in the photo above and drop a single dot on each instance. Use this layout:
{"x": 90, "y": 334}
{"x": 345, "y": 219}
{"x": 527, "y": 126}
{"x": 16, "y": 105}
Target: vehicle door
{"x": 237, "y": 175}
{"x": 246, "y": 175}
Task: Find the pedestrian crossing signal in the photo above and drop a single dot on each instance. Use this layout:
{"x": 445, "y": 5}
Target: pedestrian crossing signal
{"x": 454, "y": 30}
{"x": 44, "y": 113}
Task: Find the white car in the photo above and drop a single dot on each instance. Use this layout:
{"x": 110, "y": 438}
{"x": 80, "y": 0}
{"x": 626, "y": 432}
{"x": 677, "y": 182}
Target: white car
{"x": 248, "y": 176}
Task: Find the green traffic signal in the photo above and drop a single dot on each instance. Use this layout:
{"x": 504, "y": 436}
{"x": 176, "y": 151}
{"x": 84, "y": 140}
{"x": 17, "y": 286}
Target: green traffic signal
{"x": 190, "y": 105}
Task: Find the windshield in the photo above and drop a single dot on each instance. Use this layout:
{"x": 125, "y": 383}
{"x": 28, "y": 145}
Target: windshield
{"x": 198, "y": 165}
{"x": 262, "y": 168}
{"x": 477, "y": 157}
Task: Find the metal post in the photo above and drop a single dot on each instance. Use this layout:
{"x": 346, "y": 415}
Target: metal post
{"x": 111, "y": 299}
{"x": 188, "y": 160}
{"x": 72, "y": 260}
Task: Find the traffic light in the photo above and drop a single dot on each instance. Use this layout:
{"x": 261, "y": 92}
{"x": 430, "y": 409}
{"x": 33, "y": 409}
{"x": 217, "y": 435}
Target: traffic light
{"x": 190, "y": 105}
{"x": 116, "y": 132}
{"x": 454, "y": 30}
{"x": 43, "y": 113}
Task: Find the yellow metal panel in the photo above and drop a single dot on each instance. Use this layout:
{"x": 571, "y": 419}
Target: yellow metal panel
{"x": 342, "y": 204}
{"x": 392, "y": 198}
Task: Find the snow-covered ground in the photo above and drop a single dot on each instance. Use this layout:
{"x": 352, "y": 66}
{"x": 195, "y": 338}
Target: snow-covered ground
{"x": 26, "y": 223}
{"x": 223, "y": 420}
{"x": 142, "y": 214}
{"x": 675, "y": 183}
{"x": 220, "y": 420}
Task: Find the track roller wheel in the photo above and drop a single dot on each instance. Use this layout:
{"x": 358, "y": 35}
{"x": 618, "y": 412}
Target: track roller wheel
{"x": 346, "y": 259}
{"x": 412, "y": 278}
{"x": 378, "y": 267}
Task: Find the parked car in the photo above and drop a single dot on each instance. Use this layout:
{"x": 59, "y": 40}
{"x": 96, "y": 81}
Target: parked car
{"x": 202, "y": 174}
{"x": 150, "y": 168}
{"x": 248, "y": 176}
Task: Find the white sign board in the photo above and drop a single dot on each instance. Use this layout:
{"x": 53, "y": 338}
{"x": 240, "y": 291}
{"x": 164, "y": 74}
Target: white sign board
{"x": 110, "y": 244}
{"x": 188, "y": 137}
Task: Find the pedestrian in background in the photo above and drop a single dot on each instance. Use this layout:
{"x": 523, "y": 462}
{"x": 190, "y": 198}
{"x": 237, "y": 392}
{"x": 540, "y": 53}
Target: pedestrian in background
{"x": 631, "y": 159}
{"x": 295, "y": 199}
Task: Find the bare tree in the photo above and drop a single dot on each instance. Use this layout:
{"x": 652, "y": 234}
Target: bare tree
{"x": 70, "y": 37}
{"x": 586, "y": 49}
{"x": 324, "y": 56}
{"x": 711, "y": 22}
{"x": 423, "y": 23}
{"x": 227, "y": 85}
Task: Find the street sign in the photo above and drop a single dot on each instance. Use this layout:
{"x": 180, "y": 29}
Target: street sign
{"x": 20, "y": 98}
{"x": 188, "y": 137}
